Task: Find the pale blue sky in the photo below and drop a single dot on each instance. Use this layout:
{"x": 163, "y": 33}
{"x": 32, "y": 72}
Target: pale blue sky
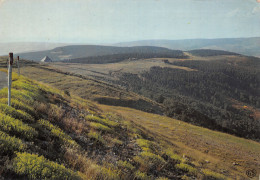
{"x": 110, "y": 21}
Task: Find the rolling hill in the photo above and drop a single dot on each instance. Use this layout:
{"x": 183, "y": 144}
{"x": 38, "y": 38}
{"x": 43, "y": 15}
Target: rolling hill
{"x": 245, "y": 46}
{"x": 211, "y": 88}
{"x": 83, "y": 51}
{"x": 36, "y": 51}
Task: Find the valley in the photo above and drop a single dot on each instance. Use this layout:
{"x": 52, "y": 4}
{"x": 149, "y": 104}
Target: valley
{"x": 191, "y": 88}
{"x": 129, "y": 90}
{"x": 135, "y": 96}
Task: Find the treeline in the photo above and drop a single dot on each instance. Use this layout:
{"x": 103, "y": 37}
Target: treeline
{"x": 237, "y": 81}
{"x": 206, "y": 96}
{"x": 210, "y": 52}
{"x": 126, "y": 56}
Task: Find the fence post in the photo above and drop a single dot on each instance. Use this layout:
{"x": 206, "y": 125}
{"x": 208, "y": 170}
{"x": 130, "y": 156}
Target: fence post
{"x": 18, "y": 65}
{"x": 10, "y": 77}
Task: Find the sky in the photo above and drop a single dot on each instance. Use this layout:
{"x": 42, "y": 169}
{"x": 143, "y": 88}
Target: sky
{"x": 111, "y": 21}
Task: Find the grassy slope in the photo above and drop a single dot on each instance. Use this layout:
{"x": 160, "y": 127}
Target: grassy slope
{"x": 203, "y": 149}
{"x": 49, "y": 134}
{"x": 86, "y": 87}
{"x": 201, "y": 144}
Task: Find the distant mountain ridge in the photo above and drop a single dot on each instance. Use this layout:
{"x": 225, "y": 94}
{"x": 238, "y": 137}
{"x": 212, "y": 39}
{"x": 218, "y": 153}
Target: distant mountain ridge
{"x": 83, "y": 51}
{"x": 210, "y": 52}
{"x": 245, "y": 46}
{"x": 19, "y": 47}
{"x": 178, "y": 54}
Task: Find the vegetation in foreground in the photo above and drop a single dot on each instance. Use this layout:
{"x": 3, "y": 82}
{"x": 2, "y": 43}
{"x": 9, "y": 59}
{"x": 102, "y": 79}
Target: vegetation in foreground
{"x": 111, "y": 143}
{"x": 51, "y": 134}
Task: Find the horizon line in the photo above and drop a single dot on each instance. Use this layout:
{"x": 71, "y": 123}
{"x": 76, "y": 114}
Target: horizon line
{"x": 111, "y": 43}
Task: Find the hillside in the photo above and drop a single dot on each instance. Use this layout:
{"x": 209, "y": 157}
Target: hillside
{"x": 210, "y": 52}
{"x": 174, "y": 54}
{"x": 86, "y": 87}
{"x": 210, "y": 88}
{"x": 83, "y": 51}
{"x": 56, "y": 51}
{"x": 218, "y": 94}
{"x": 49, "y": 133}
{"x": 114, "y": 58}
{"x": 245, "y": 46}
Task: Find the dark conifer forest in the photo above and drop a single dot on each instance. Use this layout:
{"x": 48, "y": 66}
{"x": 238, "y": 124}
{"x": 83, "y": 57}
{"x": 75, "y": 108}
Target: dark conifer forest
{"x": 220, "y": 95}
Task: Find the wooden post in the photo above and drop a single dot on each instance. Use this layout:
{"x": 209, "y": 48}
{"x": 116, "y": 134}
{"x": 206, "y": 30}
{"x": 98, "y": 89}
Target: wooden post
{"x": 10, "y": 77}
{"x": 18, "y": 65}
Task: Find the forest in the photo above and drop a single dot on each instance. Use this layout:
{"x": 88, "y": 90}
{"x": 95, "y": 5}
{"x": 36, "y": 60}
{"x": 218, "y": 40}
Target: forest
{"x": 208, "y": 96}
{"x": 210, "y": 52}
{"x": 124, "y": 56}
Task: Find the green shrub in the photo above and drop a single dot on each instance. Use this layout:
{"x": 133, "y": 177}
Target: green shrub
{"x": 109, "y": 174}
{"x": 187, "y": 168}
{"x": 19, "y": 105}
{"x": 97, "y": 136}
{"x": 20, "y": 95}
{"x": 17, "y": 127}
{"x": 184, "y": 177}
{"x": 148, "y": 160}
{"x": 142, "y": 176}
{"x": 28, "y": 87}
{"x": 162, "y": 178}
{"x": 146, "y": 145}
{"x": 99, "y": 126}
{"x": 37, "y": 167}
{"x": 173, "y": 156}
{"x": 116, "y": 141}
{"x": 101, "y": 120}
{"x": 49, "y": 89}
{"x": 25, "y": 84}
{"x": 210, "y": 174}
{"x": 125, "y": 165}
{"x": 56, "y": 131}
{"x": 10, "y": 144}
{"x": 17, "y": 114}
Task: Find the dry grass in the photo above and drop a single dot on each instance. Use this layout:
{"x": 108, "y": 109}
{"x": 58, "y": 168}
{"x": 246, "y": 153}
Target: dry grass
{"x": 86, "y": 88}
{"x": 102, "y": 70}
{"x": 218, "y": 150}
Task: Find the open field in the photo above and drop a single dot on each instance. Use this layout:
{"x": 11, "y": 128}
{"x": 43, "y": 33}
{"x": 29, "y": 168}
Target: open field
{"x": 127, "y": 66}
{"x": 105, "y": 71}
